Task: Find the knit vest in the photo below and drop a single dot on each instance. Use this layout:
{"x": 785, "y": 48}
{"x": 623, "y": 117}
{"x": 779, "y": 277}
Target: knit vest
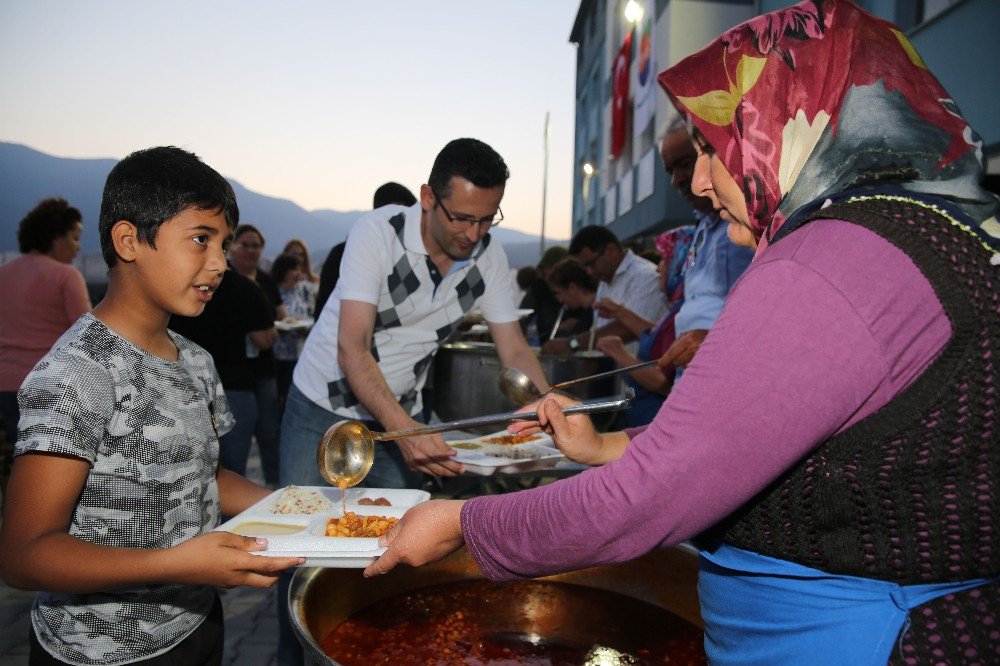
{"x": 910, "y": 494}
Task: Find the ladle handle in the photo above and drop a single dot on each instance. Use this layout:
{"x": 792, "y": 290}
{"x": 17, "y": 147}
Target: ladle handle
{"x": 602, "y": 375}
{"x": 587, "y": 407}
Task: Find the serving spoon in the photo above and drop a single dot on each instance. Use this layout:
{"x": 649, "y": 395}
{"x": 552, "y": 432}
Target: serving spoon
{"x": 518, "y": 387}
{"x": 347, "y": 449}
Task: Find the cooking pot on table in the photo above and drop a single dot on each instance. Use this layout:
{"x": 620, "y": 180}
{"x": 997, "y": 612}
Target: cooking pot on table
{"x": 319, "y": 599}
{"x": 465, "y": 380}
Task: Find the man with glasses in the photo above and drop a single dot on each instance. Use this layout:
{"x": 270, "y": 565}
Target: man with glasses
{"x": 624, "y": 277}
{"x": 409, "y": 276}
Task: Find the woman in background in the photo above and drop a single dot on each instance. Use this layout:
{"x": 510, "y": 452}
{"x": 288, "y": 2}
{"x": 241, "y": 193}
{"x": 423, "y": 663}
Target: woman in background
{"x": 42, "y": 296}
{"x": 299, "y": 297}
{"x": 244, "y": 256}
{"x": 297, "y": 248}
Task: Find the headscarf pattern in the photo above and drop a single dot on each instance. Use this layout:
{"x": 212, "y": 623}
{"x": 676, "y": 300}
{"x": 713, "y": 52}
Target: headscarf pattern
{"x": 822, "y": 97}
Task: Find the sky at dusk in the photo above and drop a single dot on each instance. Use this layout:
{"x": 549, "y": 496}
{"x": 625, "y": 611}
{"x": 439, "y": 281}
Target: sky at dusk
{"x": 314, "y": 101}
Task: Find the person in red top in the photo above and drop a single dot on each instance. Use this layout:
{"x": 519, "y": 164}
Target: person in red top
{"x": 42, "y": 296}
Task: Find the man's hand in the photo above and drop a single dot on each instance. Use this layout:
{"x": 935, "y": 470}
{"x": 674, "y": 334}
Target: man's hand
{"x": 557, "y": 347}
{"x": 429, "y": 454}
{"x": 608, "y": 308}
{"x": 613, "y": 346}
{"x": 683, "y": 349}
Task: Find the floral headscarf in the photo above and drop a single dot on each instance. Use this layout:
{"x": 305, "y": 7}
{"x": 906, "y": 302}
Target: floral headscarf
{"x": 809, "y": 101}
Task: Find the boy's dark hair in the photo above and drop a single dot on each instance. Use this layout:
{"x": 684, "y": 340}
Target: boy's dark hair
{"x": 594, "y": 237}
{"x": 46, "y": 222}
{"x": 471, "y": 159}
{"x": 393, "y": 193}
{"x": 247, "y": 229}
{"x": 154, "y": 185}
{"x": 570, "y": 271}
{"x": 283, "y": 265}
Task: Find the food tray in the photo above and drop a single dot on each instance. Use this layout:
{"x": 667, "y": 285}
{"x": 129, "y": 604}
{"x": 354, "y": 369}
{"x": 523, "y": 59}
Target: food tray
{"x": 294, "y": 325}
{"x": 483, "y": 457}
{"x": 310, "y": 540}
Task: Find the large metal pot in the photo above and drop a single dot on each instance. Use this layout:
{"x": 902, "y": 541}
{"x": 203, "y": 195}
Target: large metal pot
{"x": 466, "y": 379}
{"x": 319, "y": 599}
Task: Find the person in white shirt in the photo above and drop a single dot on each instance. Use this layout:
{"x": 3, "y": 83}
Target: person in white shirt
{"x": 409, "y": 275}
{"x": 625, "y": 278}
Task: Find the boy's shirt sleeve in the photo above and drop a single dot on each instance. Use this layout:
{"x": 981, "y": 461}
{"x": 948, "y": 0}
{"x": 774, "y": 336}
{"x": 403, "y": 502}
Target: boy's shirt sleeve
{"x": 66, "y": 403}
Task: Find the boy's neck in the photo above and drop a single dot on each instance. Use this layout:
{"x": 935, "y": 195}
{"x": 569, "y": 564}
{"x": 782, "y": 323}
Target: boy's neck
{"x": 137, "y": 320}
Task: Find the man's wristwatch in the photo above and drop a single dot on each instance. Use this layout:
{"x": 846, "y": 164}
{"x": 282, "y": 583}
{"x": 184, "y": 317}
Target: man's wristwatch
{"x": 574, "y": 344}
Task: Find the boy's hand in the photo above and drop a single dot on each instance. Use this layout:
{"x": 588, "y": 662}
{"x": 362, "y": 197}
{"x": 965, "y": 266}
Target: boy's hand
{"x": 224, "y": 560}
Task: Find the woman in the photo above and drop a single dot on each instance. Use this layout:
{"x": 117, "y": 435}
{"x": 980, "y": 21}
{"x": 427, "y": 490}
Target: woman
{"x": 42, "y": 296}
{"x": 297, "y": 248}
{"x": 834, "y": 439}
{"x": 299, "y": 297}
{"x": 244, "y": 256}
{"x": 574, "y": 287}
{"x": 651, "y": 384}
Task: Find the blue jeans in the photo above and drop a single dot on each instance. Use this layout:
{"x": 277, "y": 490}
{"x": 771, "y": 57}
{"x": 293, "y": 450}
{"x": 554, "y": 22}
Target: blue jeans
{"x": 268, "y": 430}
{"x": 304, "y": 425}
{"x": 234, "y": 446}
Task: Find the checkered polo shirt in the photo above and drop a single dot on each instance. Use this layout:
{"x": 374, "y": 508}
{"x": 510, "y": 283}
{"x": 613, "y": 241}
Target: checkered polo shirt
{"x": 386, "y": 264}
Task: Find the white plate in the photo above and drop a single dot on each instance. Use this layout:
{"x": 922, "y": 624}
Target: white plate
{"x": 312, "y": 542}
{"x": 482, "y": 457}
{"x": 294, "y": 325}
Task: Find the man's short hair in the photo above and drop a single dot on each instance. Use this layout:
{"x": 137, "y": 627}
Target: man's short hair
{"x": 470, "y": 159}
{"x": 594, "y": 237}
{"x": 393, "y": 193}
{"x": 151, "y": 186}
{"x": 46, "y": 222}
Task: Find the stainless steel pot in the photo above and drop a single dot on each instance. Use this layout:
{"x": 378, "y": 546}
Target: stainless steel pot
{"x": 466, "y": 379}
{"x": 319, "y": 599}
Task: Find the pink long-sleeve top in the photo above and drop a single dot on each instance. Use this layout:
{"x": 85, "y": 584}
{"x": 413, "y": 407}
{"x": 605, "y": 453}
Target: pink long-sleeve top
{"x": 40, "y": 298}
{"x": 822, "y": 330}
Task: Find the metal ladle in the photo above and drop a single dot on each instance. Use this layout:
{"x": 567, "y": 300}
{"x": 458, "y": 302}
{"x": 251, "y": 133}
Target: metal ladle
{"x": 518, "y": 387}
{"x": 347, "y": 449}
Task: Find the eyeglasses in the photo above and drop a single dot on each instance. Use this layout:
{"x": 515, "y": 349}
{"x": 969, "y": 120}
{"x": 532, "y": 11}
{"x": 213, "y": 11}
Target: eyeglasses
{"x": 465, "y": 221}
{"x": 248, "y": 246}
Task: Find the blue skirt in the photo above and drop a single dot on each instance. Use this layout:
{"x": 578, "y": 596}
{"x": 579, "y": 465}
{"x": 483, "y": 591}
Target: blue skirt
{"x": 762, "y": 610}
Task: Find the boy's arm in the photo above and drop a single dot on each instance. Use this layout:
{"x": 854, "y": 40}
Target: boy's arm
{"x": 237, "y": 493}
{"x": 37, "y": 552}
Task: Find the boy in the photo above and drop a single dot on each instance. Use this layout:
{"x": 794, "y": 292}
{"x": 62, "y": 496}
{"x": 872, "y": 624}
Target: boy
{"x": 116, "y": 483}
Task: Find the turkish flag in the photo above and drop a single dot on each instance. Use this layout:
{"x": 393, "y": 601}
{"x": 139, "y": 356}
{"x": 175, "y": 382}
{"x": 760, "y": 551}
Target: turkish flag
{"x": 619, "y": 96}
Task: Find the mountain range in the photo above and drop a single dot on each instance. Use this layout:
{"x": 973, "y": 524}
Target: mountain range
{"x": 28, "y": 175}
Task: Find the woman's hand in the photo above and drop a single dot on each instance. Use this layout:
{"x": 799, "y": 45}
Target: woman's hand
{"x": 426, "y": 533}
{"x": 223, "y": 559}
{"x": 573, "y": 435}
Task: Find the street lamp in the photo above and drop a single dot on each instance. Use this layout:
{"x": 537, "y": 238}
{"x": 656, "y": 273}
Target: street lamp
{"x": 588, "y": 169}
{"x": 633, "y": 11}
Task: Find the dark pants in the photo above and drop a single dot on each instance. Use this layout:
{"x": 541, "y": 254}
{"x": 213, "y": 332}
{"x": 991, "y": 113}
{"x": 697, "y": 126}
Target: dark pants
{"x": 203, "y": 647}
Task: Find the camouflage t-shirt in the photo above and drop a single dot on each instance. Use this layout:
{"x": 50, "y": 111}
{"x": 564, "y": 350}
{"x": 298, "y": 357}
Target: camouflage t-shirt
{"x": 150, "y": 429}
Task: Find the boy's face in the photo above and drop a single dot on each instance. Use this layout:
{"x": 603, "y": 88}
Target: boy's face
{"x": 186, "y": 267}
